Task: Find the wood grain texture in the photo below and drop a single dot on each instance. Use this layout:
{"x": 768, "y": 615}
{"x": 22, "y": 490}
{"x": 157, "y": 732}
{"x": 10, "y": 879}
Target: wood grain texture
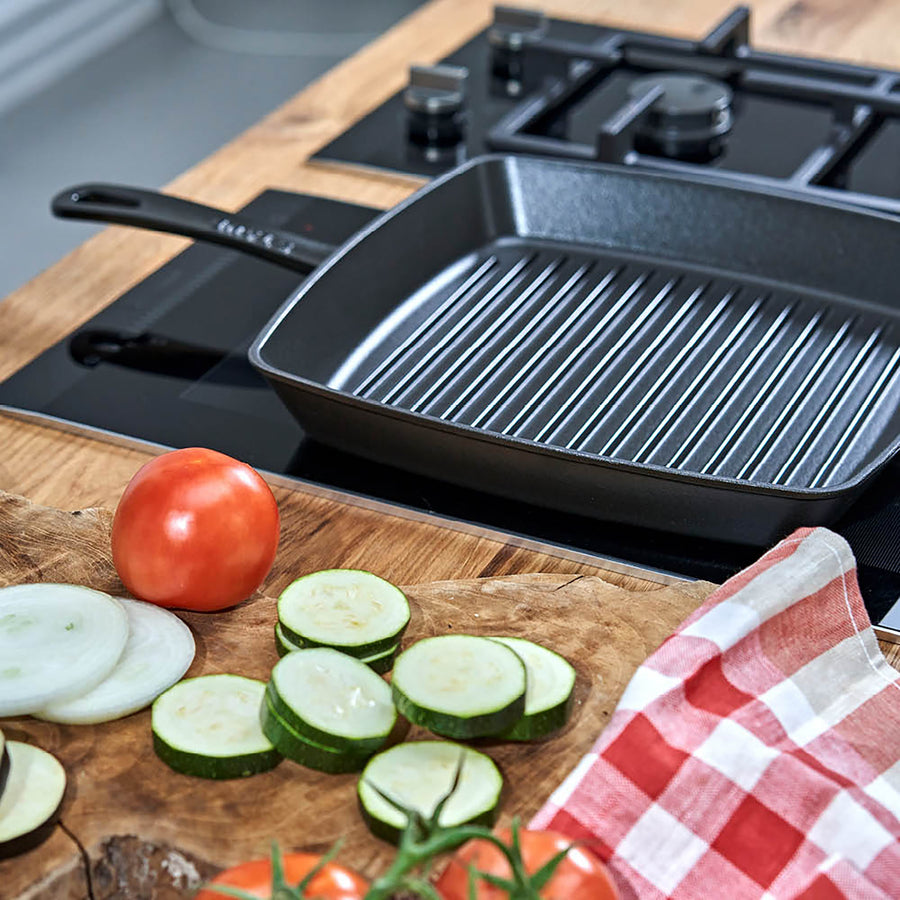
{"x": 40, "y": 543}
{"x": 146, "y": 829}
{"x": 316, "y": 532}
{"x": 54, "y": 871}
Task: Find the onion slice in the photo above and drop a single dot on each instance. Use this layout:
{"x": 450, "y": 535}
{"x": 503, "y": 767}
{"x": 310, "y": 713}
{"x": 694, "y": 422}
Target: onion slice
{"x": 159, "y": 650}
{"x": 57, "y": 641}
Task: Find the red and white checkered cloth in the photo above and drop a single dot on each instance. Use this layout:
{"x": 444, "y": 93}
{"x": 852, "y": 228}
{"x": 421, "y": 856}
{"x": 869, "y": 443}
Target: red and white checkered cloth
{"x": 756, "y": 753}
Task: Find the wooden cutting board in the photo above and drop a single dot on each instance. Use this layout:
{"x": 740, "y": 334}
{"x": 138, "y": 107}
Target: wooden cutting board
{"x": 132, "y": 827}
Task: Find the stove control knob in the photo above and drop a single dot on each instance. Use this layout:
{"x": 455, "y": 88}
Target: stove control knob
{"x": 514, "y": 28}
{"x": 512, "y": 31}
{"x": 435, "y": 101}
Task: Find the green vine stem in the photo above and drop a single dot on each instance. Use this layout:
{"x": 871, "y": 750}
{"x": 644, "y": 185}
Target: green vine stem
{"x": 421, "y": 841}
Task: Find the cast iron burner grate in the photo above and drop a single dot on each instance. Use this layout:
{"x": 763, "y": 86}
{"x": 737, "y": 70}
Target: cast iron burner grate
{"x": 715, "y": 107}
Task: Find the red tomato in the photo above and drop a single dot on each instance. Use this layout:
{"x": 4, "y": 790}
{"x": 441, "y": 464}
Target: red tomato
{"x": 334, "y": 882}
{"x": 195, "y": 529}
{"x": 580, "y": 876}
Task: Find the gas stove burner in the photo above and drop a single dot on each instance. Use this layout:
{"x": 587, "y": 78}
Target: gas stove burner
{"x": 688, "y": 119}
{"x": 715, "y": 106}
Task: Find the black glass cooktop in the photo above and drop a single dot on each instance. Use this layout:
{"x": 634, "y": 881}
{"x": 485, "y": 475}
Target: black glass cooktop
{"x": 166, "y": 364}
{"x": 715, "y": 107}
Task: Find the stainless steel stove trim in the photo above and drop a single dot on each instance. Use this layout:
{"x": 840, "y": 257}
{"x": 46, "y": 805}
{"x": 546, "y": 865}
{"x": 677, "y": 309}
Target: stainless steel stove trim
{"x": 398, "y": 176}
{"x": 888, "y": 629}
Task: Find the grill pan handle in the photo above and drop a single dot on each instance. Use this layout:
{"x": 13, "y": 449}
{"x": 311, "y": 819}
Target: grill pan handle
{"x": 162, "y": 212}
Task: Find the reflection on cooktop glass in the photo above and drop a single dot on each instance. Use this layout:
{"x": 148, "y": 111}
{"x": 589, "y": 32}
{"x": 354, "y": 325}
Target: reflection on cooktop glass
{"x": 876, "y": 169}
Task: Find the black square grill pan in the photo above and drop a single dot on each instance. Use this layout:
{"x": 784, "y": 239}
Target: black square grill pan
{"x": 636, "y": 347}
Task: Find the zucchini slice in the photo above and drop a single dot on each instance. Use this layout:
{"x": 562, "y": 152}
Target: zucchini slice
{"x": 159, "y": 650}
{"x": 282, "y": 644}
{"x": 417, "y": 775}
{"x": 209, "y": 727}
{"x": 460, "y": 686}
{"x": 4, "y": 763}
{"x": 550, "y": 692}
{"x": 348, "y": 609}
{"x": 31, "y": 800}
{"x": 332, "y": 699}
{"x": 380, "y": 662}
{"x": 57, "y": 641}
{"x": 304, "y": 751}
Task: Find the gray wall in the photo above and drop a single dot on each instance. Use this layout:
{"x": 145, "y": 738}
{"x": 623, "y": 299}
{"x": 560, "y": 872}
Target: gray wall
{"x": 166, "y": 85}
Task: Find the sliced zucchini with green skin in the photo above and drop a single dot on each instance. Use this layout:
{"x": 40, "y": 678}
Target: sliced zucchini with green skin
{"x": 31, "y": 800}
{"x": 209, "y": 727}
{"x": 417, "y": 775}
{"x": 348, "y": 609}
{"x": 308, "y": 753}
{"x": 380, "y": 662}
{"x": 460, "y": 686}
{"x": 332, "y": 699}
{"x": 282, "y": 644}
{"x": 550, "y": 693}
{"x": 4, "y": 763}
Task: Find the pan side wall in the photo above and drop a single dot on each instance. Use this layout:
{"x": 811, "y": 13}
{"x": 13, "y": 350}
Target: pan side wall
{"x": 386, "y": 264}
{"x": 575, "y": 485}
{"x": 789, "y": 241}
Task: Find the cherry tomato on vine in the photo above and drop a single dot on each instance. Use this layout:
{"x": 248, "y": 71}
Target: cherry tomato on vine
{"x": 334, "y": 882}
{"x": 580, "y": 875}
{"x": 195, "y": 529}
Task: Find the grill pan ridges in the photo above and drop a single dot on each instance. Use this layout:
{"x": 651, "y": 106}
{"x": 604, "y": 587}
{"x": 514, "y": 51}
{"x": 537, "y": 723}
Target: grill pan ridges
{"x": 629, "y": 346}
{"x": 645, "y": 365}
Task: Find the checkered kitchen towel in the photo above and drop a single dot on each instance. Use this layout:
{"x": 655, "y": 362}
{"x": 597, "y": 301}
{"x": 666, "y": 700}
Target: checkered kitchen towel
{"x": 756, "y": 753}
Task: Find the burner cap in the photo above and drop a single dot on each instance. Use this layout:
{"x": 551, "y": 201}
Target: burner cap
{"x": 690, "y": 117}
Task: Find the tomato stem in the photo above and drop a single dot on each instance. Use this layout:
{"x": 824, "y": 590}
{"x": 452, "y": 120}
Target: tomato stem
{"x": 414, "y": 852}
{"x": 421, "y": 841}
{"x": 424, "y": 839}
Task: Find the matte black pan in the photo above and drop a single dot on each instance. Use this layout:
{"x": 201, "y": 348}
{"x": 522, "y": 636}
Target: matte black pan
{"x": 631, "y": 346}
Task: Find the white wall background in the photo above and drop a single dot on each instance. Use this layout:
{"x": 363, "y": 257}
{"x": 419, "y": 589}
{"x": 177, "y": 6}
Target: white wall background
{"x": 41, "y": 41}
{"x": 136, "y": 91}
